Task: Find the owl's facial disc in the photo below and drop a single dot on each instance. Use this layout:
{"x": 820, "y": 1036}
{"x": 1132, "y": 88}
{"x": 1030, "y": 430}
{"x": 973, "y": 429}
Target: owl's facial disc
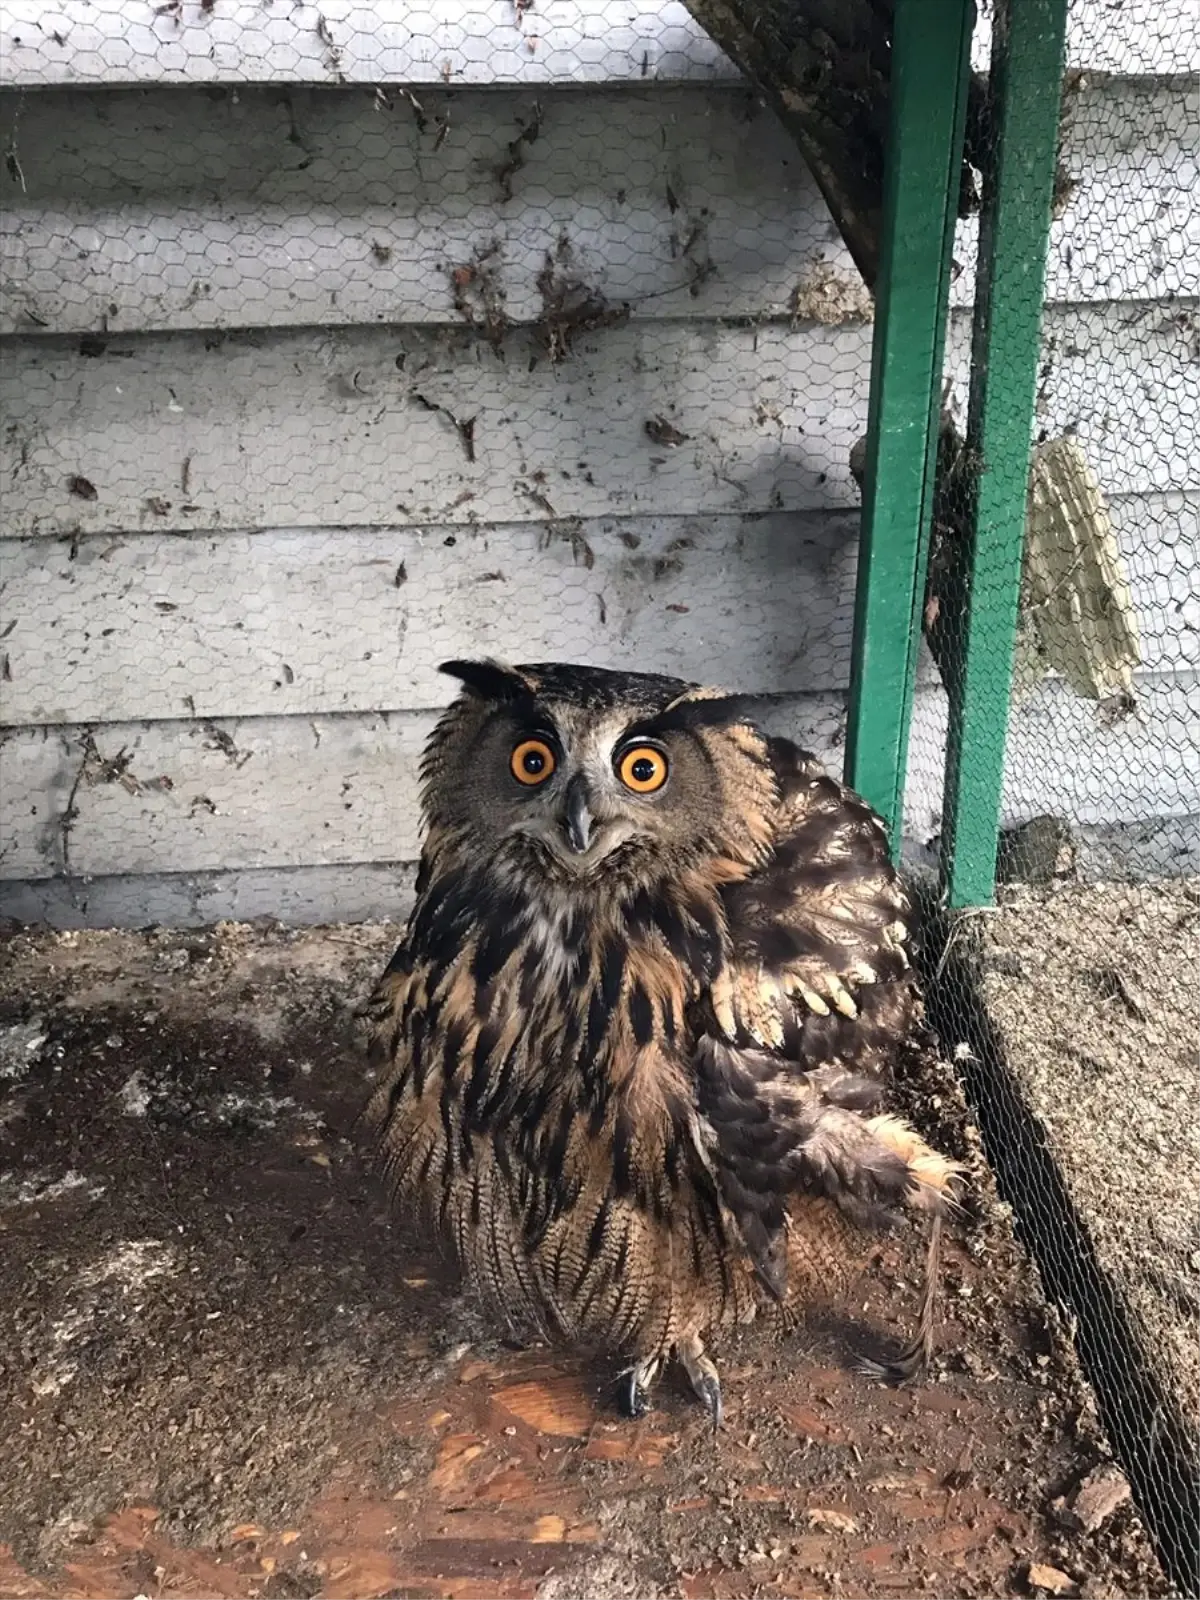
{"x": 581, "y": 789}
{"x": 578, "y": 823}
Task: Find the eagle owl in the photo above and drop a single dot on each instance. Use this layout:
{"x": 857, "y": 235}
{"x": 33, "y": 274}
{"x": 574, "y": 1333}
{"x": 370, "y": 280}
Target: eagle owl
{"x": 633, "y": 1047}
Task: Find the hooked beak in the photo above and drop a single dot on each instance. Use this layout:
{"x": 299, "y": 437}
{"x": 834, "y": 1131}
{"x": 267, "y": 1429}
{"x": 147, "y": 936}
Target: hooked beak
{"x": 577, "y": 818}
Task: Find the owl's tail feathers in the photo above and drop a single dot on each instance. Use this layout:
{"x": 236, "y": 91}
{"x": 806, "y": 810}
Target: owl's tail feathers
{"x": 883, "y": 1153}
{"x": 918, "y": 1353}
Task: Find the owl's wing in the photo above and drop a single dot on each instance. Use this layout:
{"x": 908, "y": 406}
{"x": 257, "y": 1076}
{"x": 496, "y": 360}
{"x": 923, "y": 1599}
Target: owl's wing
{"x": 782, "y": 1130}
{"x": 800, "y": 1029}
{"x": 822, "y": 923}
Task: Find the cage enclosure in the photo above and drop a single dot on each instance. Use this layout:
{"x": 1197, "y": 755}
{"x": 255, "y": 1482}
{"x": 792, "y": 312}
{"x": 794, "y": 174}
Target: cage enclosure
{"x": 844, "y": 354}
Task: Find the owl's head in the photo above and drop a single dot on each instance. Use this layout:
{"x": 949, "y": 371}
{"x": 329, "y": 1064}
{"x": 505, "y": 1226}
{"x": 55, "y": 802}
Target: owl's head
{"x": 591, "y": 772}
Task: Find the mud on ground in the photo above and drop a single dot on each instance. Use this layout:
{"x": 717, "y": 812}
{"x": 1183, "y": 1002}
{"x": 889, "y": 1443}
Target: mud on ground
{"x": 225, "y": 1370}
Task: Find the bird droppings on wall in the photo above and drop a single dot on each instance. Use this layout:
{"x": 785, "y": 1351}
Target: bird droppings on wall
{"x": 514, "y": 160}
{"x": 661, "y": 431}
{"x": 478, "y": 293}
{"x": 569, "y": 305}
{"x": 829, "y": 293}
{"x": 463, "y": 426}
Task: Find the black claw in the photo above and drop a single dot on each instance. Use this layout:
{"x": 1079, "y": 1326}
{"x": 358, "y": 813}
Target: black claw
{"x": 632, "y": 1400}
{"x": 709, "y": 1390}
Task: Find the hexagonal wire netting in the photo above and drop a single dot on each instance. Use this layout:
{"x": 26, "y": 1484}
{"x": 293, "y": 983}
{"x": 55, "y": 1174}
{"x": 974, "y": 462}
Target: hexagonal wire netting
{"x": 344, "y": 344}
{"x": 1072, "y": 1005}
{"x": 341, "y": 341}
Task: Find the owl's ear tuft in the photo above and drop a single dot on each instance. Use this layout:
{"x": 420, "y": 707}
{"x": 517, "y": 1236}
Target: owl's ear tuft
{"x": 490, "y": 680}
{"x": 704, "y": 708}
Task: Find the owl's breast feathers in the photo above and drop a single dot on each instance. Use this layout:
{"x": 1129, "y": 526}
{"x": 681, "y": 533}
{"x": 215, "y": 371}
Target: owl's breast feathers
{"x": 615, "y": 1103}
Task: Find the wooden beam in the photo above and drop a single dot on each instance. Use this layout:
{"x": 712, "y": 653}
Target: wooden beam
{"x": 823, "y": 69}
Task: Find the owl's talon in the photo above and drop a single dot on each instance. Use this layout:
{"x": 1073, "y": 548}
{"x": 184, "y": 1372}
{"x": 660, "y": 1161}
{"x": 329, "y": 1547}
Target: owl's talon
{"x": 633, "y": 1388}
{"x": 704, "y": 1379}
{"x": 709, "y": 1391}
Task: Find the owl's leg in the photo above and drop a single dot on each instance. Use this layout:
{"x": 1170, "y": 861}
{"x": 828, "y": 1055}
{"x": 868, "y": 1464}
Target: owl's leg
{"x": 634, "y": 1385}
{"x": 703, "y": 1376}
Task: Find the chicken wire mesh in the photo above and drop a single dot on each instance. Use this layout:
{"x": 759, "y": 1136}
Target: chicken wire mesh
{"x": 408, "y": 336}
{"x": 1072, "y": 1005}
{"x": 337, "y": 343}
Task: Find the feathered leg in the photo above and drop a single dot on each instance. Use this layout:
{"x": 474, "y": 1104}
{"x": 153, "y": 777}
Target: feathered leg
{"x": 703, "y": 1376}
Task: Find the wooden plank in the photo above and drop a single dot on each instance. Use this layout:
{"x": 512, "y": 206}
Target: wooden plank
{"x": 326, "y": 430}
{"x": 1128, "y": 227}
{"x": 1093, "y": 765}
{"x": 335, "y": 429}
{"x": 170, "y": 209}
{"x": 251, "y": 793}
{"x": 271, "y": 792}
{"x": 276, "y": 41}
{"x": 283, "y": 623}
{"x": 1120, "y": 380}
{"x": 1086, "y": 763}
{"x": 359, "y": 892}
{"x": 371, "y": 892}
{"x": 1153, "y": 847}
{"x": 1132, "y": 39}
{"x": 1159, "y": 537}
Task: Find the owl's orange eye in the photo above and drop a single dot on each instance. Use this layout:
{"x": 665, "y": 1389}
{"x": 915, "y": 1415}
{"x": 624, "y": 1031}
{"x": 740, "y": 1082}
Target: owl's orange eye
{"x": 642, "y": 768}
{"x": 532, "y": 762}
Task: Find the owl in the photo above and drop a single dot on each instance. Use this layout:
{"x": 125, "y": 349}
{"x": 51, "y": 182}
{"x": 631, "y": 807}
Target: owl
{"x": 633, "y": 1049}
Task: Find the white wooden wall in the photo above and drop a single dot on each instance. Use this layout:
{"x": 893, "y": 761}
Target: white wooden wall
{"x": 236, "y": 539}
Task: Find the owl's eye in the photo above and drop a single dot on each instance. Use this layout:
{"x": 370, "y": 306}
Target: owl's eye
{"x": 642, "y": 768}
{"x": 532, "y": 762}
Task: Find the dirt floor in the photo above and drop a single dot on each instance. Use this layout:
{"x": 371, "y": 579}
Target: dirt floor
{"x": 1094, "y": 992}
{"x": 225, "y": 1370}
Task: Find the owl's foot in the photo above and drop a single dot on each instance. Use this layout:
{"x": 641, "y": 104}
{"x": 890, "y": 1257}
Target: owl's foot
{"x": 703, "y": 1377}
{"x": 634, "y": 1385}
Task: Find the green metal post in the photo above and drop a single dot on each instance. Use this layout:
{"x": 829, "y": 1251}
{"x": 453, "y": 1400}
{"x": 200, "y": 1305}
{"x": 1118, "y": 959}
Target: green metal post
{"x": 930, "y": 65}
{"x": 1026, "y": 81}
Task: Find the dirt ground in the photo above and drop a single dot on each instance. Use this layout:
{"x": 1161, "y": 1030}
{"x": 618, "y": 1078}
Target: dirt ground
{"x": 1094, "y": 992}
{"x": 226, "y": 1370}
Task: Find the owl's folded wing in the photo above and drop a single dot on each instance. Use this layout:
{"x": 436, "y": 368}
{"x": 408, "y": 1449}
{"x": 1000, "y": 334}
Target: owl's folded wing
{"x": 823, "y": 920}
{"x": 780, "y": 1132}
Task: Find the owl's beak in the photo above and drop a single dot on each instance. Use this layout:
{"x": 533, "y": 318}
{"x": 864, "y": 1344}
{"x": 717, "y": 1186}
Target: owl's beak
{"x": 577, "y": 816}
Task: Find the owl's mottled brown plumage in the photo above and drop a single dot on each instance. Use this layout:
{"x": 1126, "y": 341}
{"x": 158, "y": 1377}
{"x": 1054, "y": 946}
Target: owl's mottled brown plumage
{"x": 634, "y": 1044}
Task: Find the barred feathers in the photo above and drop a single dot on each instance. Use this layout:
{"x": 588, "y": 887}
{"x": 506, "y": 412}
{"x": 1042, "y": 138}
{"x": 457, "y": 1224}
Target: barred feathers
{"x": 641, "y": 1095}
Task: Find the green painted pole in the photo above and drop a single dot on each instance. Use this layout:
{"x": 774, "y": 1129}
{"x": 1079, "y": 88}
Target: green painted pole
{"x": 1026, "y": 79}
{"x": 930, "y": 65}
